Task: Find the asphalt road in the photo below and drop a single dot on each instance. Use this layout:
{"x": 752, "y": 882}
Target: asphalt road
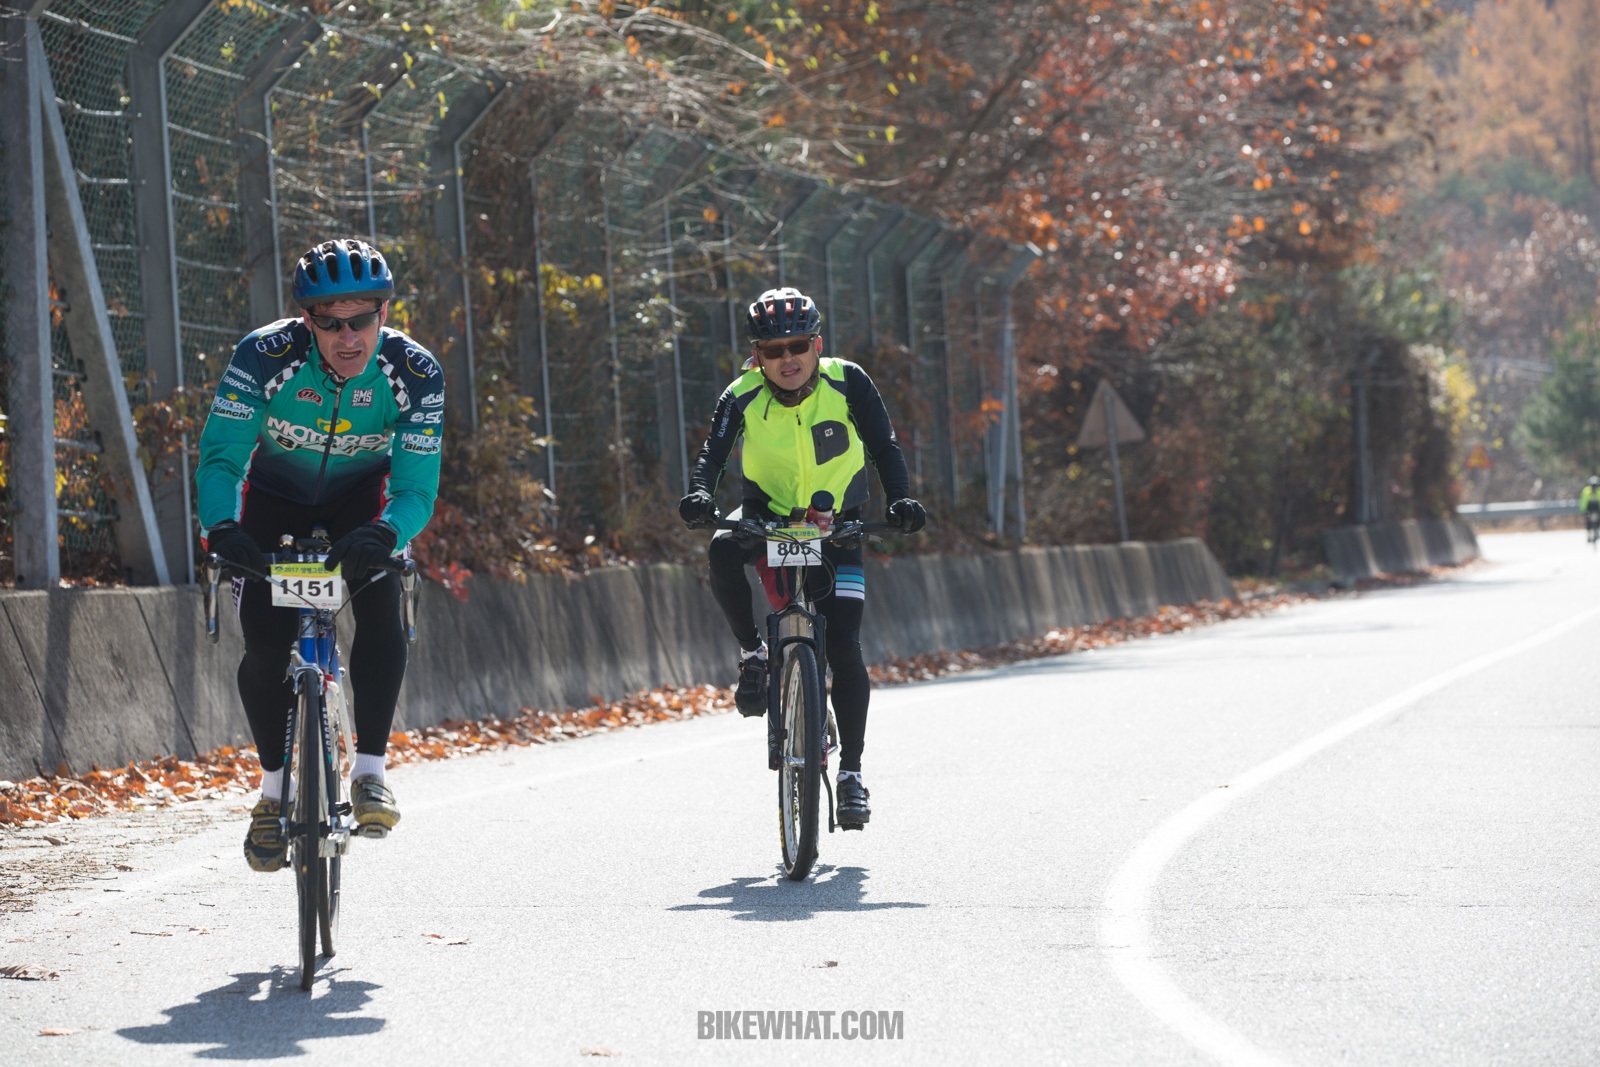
{"x": 1362, "y": 831}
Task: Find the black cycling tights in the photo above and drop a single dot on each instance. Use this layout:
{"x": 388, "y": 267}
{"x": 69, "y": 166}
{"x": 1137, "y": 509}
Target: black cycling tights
{"x": 377, "y": 654}
{"x": 851, "y": 690}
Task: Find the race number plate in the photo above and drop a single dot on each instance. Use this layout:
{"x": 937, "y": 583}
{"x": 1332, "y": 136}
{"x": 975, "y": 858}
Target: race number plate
{"x": 804, "y": 551}
{"x": 306, "y": 585}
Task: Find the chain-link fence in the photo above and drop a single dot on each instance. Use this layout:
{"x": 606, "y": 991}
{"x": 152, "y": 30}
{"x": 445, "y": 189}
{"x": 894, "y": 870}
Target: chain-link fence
{"x": 604, "y": 266}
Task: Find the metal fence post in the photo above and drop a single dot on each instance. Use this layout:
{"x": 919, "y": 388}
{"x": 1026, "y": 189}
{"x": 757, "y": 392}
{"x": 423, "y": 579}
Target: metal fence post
{"x": 258, "y": 204}
{"x": 30, "y": 406}
{"x": 89, "y": 331}
{"x": 863, "y": 277}
{"x": 158, "y": 259}
{"x": 450, "y": 228}
{"x": 677, "y": 351}
{"x": 1011, "y": 440}
{"x": 619, "y": 444}
{"x": 544, "y": 342}
{"x": 825, "y": 239}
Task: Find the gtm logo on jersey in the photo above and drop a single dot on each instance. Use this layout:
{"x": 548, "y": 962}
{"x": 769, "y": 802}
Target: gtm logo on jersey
{"x": 310, "y": 396}
{"x": 292, "y": 435}
{"x": 275, "y": 345}
{"x": 418, "y": 362}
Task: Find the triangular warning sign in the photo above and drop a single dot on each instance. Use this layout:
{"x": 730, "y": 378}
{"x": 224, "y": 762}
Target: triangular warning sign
{"x": 1478, "y": 459}
{"x": 1094, "y": 434}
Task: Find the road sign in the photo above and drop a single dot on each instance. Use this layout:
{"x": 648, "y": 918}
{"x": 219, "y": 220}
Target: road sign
{"x": 1478, "y": 459}
{"x": 1094, "y": 432}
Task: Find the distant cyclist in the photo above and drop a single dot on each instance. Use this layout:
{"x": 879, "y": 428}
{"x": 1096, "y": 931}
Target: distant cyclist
{"x": 1589, "y": 504}
{"x": 329, "y": 418}
{"x": 809, "y": 425}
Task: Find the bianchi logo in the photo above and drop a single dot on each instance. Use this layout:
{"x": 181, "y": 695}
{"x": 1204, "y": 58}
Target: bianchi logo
{"x": 361, "y": 398}
{"x": 422, "y": 443}
{"x": 290, "y": 435}
{"x": 229, "y": 407}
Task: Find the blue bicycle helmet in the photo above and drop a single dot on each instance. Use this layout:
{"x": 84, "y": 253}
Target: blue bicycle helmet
{"x": 780, "y": 313}
{"x": 345, "y": 269}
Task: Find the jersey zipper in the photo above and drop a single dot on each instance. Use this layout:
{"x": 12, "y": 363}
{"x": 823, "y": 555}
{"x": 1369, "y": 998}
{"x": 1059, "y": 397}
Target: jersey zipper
{"x": 327, "y": 449}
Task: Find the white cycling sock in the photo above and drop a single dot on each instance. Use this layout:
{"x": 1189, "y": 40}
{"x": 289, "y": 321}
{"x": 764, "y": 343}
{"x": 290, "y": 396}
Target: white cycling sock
{"x": 272, "y": 785}
{"x": 849, "y": 774}
{"x": 366, "y": 764}
{"x": 754, "y": 653}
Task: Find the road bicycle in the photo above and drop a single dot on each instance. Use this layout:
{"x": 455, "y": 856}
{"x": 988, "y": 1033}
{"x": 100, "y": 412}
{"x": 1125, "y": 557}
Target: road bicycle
{"x": 1591, "y": 522}
{"x": 801, "y": 730}
{"x": 321, "y": 821}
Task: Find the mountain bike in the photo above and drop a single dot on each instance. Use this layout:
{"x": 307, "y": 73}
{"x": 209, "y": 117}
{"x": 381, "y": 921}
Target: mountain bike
{"x": 321, "y": 821}
{"x": 801, "y": 730}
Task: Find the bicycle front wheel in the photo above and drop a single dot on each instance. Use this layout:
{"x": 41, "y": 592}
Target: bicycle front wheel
{"x": 309, "y": 802}
{"x": 800, "y": 772}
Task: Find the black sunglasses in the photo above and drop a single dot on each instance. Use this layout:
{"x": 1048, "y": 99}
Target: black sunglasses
{"x": 333, "y": 324}
{"x": 797, "y": 347}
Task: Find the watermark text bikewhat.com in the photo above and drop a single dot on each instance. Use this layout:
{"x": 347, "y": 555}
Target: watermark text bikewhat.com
{"x": 801, "y": 1025}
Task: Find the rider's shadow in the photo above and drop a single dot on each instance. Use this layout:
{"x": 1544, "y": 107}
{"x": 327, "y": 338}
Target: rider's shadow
{"x": 780, "y": 900}
{"x": 242, "y": 1023}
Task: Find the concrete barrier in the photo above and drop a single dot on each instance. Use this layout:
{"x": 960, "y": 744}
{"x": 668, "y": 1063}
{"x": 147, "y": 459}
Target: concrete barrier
{"x": 105, "y": 676}
{"x": 1356, "y": 552}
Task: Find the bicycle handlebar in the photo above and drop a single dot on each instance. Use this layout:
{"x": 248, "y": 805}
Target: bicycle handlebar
{"x": 847, "y": 530}
{"x": 307, "y": 551}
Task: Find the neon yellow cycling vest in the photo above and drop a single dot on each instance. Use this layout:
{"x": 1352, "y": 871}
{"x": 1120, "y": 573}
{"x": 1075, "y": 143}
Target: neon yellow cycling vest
{"x": 794, "y": 453}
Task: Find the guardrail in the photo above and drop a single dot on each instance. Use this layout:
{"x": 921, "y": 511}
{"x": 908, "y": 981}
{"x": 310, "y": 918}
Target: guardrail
{"x": 1517, "y": 509}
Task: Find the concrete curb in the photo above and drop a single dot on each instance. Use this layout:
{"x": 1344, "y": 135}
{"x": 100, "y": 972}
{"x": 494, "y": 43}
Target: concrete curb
{"x": 1356, "y": 552}
{"x": 105, "y": 676}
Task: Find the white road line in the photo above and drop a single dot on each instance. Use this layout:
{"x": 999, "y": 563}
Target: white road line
{"x": 1125, "y": 931}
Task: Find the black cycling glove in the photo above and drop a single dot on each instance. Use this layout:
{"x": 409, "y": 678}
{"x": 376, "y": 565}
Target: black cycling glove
{"x": 362, "y": 549}
{"x": 697, "y": 511}
{"x": 910, "y": 515}
{"x": 233, "y": 546}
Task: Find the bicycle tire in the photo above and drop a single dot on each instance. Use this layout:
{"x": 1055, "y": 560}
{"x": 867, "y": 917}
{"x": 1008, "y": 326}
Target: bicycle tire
{"x": 328, "y": 899}
{"x": 800, "y": 773}
{"x": 307, "y": 840}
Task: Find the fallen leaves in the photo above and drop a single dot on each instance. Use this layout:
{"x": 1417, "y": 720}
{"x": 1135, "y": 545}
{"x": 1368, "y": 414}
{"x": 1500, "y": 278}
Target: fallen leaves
{"x": 23, "y": 973}
{"x": 230, "y": 771}
{"x": 151, "y": 784}
{"x": 441, "y": 939}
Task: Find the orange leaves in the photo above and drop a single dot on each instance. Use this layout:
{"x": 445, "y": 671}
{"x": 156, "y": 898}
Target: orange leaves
{"x": 154, "y": 784}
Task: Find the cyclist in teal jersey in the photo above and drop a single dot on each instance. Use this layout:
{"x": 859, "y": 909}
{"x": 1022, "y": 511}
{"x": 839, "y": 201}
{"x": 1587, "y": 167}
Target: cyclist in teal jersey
{"x": 328, "y": 419}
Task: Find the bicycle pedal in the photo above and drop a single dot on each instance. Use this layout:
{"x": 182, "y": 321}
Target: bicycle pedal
{"x": 375, "y": 831}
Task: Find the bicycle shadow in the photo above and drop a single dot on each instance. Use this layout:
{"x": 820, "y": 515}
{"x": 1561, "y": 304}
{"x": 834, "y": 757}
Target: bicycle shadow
{"x": 776, "y": 899}
{"x": 243, "y": 1021}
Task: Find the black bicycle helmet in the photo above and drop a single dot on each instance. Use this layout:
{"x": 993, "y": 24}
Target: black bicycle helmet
{"x": 345, "y": 269}
{"x": 780, "y": 313}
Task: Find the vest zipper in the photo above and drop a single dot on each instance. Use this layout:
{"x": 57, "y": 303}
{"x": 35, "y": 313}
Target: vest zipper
{"x": 327, "y": 449}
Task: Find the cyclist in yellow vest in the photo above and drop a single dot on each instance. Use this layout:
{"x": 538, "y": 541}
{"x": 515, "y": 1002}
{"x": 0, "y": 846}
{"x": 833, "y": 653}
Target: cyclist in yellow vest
{"x": 809, "y": 425}
{"x": 1589, "y": 503}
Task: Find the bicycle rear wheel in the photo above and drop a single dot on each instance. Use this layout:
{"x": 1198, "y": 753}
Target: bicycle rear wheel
{"x": 800, "y": 773}
{"x": 308, "y": 870}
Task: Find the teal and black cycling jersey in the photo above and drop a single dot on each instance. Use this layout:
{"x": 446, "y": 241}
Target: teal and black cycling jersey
{"x": 282, "y": 424}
